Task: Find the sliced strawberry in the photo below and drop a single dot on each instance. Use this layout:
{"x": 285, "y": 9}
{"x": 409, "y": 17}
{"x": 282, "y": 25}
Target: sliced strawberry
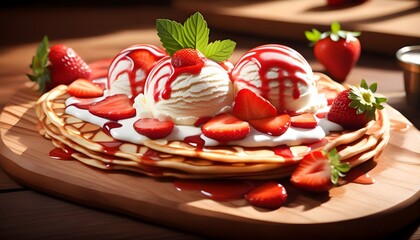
{"x": 274, "y": 126}
{"x": 153, "y": 128}
{"x": 114, "y": 107}
{"x": 83, "y": 88}
{"x": 306, "y": 120}
{"x": 187, "y": 60}
{"x": 318, "y": 172}
{"x": 249, "y": 105}
{"x": 271, "y": 195}
{"x": 225, "y": 127}
{"x": 313, "y": 173}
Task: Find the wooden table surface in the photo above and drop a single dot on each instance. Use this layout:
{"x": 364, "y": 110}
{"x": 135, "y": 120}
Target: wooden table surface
{"x": 98, "y": 33}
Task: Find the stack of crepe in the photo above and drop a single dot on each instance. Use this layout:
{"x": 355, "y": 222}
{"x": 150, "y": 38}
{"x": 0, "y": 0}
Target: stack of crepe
{"x": 91, "y": 145}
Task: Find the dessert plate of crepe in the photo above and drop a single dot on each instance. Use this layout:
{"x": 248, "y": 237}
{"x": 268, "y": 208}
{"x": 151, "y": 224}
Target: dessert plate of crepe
{"x": 111, "y": 180}
{"x": 93, "y": 146}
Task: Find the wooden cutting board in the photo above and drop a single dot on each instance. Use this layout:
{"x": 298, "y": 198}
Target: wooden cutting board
{"x": 353, "y": 210}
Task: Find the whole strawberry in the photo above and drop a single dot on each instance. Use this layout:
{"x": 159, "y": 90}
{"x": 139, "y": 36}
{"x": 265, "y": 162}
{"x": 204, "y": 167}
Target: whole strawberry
{"x": 354, "y": 107}
{"x": 337, "y": 50}
{"x": 59, "y": 64}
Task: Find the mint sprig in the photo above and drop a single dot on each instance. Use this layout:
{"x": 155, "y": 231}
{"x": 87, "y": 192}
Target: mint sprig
{"x": 194, "y": 33}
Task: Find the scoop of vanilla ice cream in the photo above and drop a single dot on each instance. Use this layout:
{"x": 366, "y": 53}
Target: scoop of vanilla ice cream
{"x": 120, "y": 77}
{"x": 129, "y": 69}
{"x": 186, "y": 97}
{"x": 281, "y": 75}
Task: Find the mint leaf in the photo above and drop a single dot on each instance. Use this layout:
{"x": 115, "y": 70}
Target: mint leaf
{"x": 193, "y": 34}
{"x": 196, "y": 32}
{"x": 219, "y": 51}
{"x": 171, "y": 35}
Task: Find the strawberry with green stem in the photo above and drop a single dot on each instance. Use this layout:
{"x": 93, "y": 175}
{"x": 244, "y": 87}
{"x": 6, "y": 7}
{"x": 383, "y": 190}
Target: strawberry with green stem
{"x": 353, "y": 108}
{"x": 319, "y": 171}
{"x": 55, "y": 65}
{"x": 337, "y": 50}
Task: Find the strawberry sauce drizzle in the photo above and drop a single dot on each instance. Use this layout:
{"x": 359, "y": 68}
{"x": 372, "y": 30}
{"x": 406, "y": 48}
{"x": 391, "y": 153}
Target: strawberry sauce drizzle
{"x": 170, "y": 77}
{"x": 195, "y": 141}
{"x": 218, "y": 190}
{"x": 111, "y": 147}
{"x": 267, "y": 57}
{"x": 108, "y": 126}
{"x": 137, "y": 85}
{"x": 64, "y": 153}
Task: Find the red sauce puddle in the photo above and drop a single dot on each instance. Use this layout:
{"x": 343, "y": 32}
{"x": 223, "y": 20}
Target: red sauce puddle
{"x": 62, "y": 153}
{"x": 219, "y": 190}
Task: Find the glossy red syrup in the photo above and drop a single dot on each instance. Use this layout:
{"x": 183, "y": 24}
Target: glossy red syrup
{"x": 219, "y": 190}
{"x": 110, "y": 147}
{"x": 171, "y": 77}
{"x": 358, "y": 176}
{"x": 271, "y": 56}
{"x": 195, "y": 141}
{"x": 142, "y": 57}
{"x": 150, "y": 157}
{"x": 110, "y": 125}
{"x": 62, "y": 153}
{"x": 283, "y": 151}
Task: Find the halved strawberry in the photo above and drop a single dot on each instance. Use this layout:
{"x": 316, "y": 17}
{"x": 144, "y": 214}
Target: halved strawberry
{"x": 269, "y": 195}
{"x": 83, "y": 88}
{"x": 114, "y": 107}
{"x": 225, "y": 127}
{"x": 274, "y": 126}
{"x": 187, "y": 60}
{"x": 153, "y": 128}
{"x": 318, "y": 172}
{"x": 306, "y": 120}
{"x": 249, "y": 105}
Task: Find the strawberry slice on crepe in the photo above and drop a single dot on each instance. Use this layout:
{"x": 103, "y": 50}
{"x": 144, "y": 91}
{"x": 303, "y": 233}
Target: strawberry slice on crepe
{"x": 319, "y": 172}
{"x": 115, "y": 107}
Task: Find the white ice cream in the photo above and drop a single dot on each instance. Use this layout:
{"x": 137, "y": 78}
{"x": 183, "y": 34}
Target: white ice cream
{"x": 192, "y": 96}
{"x": 281, "y": 75}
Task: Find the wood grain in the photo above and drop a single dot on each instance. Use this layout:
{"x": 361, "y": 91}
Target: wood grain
{"x": 371, "y": 209}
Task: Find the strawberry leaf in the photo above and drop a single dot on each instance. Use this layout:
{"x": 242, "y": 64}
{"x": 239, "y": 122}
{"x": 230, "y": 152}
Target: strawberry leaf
{"x": 40, "y": 72}
{"x": 364, "y": 101}
{"x": 313, "y": 36}
{"x": 335, "y": 34}
{"x": 196, "y": 32}
{"x": 338, "y": 168}
{"x": 171, "y": 35}
{"x": 335, "y": 27}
